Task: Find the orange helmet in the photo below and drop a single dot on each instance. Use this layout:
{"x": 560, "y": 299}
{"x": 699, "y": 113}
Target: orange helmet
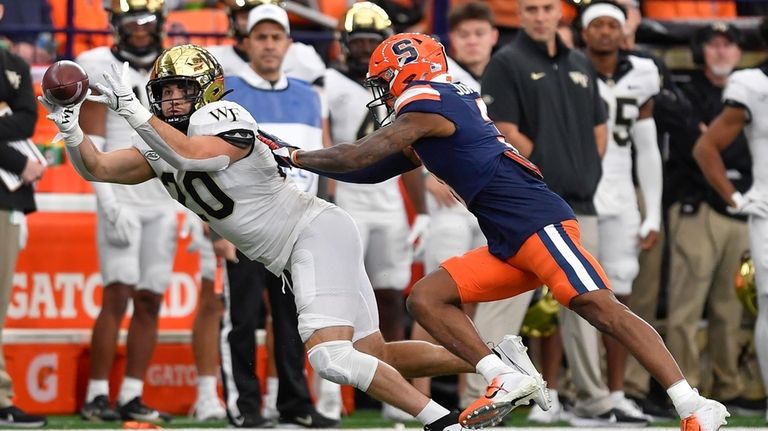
{"x": 398, "y": 61}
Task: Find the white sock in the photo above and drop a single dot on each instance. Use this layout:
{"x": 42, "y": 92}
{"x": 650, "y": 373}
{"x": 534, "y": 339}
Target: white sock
{"x": 684, "y": 398}
{"x": 206, "y": 387}
{"x": 328, "y": 394}
{"x": 273, "y": 384}
{"x": 269, "y": 401}
{"x": 96, "y": 388}
{"x": 130, "y": 389}
{"x": 490, "y": 367}
{"x": 431, "y": 412}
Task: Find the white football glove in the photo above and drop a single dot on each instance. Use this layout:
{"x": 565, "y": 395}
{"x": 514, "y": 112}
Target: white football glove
{"x": 121, "y": 224}
{"x": 118, "y": 96}
{"x": 748, "y": 205}
{"x": 648, "y": 226}
{"x": 66, "y": 119}
{"x": 418, "y": 229}
{"x": 192, "y": 228}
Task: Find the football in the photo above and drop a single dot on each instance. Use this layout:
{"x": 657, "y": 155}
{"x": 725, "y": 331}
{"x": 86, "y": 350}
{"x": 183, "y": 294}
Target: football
{"x": 65, "y": 83}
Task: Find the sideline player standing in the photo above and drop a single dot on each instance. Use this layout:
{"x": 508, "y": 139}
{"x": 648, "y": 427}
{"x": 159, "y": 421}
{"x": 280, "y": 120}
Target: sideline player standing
{"x": 627, "y": 84}
{"x": 745, "y": 109}
{"x": 136, "y": 224}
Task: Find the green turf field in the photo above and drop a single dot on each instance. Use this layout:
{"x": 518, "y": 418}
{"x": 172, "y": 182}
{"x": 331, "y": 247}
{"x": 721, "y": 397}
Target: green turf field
{"x": 371, "y": 419}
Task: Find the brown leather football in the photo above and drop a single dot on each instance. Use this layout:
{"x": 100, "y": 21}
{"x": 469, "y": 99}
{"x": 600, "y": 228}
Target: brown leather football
{"x": 65, "y": 83}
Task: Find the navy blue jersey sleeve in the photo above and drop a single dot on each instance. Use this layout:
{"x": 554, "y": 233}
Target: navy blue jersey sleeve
{"x": 382, "y": 170}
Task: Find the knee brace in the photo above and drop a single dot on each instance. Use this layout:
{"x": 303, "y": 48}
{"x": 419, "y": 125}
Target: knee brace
{"x": 339, "y": 362}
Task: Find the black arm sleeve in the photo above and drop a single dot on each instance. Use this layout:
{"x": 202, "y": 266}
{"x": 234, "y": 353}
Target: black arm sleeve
{"x": 384, "y": 169}
{"x": 21, "y": 123}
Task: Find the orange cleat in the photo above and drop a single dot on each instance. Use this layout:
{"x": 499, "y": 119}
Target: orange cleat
{"x": 505, "y": 392}
{"x": 708, "y": 416}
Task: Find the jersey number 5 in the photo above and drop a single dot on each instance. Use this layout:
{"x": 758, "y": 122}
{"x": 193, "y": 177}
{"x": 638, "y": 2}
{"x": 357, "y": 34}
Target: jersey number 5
{"x": 192, "y": 182}
{"x": 626, "y": 114}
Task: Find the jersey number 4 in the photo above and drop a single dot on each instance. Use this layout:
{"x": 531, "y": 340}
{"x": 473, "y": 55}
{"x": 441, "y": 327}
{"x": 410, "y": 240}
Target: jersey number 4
{"x": 193, "y": 183}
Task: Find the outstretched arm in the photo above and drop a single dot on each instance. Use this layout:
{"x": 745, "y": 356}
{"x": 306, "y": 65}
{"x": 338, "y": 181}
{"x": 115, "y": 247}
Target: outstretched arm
{"x": 386, "y": 168}
{"x": 126, "y": 166}
{"x": 187, "y": 153}
{"x": 401, "y": 134}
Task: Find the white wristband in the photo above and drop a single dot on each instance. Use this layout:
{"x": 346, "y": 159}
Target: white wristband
{"x": 140, "y": 116}
{"x": 74, "y": 137}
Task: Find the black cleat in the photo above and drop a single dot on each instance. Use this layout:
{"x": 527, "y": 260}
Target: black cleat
{"x": 135, "y": 410}
{"x": 13, "y": 417}
{"x": 252, "y": 421}
{"x": 656, "y": 411}
{"x": 99, "y": 410}
{"x": 745, "y": 407}
{"x": 449, "y": 422}
{"x": 311, "y": 419}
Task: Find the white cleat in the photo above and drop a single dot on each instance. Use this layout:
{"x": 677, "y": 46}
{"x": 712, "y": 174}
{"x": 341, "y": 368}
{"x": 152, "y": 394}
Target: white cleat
{"x": 209, "y": 409}
{"x": 512, "y": 352}
{"x": 708, "y": 416}
{"x": 554, "y": 414}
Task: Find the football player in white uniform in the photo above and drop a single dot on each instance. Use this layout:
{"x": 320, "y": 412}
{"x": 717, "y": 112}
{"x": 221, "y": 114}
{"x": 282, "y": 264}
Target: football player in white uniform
{"x": 217, "y": 171}
{"x": 136, "y": 224}
{"x": 746, "y": 108}
{"x": 627, "y": 84}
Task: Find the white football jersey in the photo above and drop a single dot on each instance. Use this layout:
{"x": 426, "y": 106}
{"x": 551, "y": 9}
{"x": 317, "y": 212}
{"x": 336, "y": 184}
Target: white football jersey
{"x": 351, "y": 120}
{"x": 249, "y": 203}
{"x": 459, "y": 74}
{"x": 624, "y": 97}
{"x": 300, "y": 62}
{"x": 749, "y": 88}
{"x": 96, "y": 62}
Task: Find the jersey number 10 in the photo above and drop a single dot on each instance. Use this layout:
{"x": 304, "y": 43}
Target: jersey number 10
{"x": 191, "y": 182}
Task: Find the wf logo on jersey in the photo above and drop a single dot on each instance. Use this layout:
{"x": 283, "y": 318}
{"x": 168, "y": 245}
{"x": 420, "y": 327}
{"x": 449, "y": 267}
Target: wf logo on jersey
{"x": 226, "y": 113}
{"x": 579, "y": 78}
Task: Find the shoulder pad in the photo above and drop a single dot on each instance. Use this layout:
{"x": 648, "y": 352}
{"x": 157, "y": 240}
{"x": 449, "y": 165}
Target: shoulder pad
{"x": 220, "y": 117}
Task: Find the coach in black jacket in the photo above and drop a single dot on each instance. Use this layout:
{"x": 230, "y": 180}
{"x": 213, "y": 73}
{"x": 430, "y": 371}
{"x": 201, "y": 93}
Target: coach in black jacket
{"x": 16, "y": 123}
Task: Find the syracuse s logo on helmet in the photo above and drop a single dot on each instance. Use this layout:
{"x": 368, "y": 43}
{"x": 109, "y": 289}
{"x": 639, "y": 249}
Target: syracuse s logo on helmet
{"x": 405, "y": 51}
